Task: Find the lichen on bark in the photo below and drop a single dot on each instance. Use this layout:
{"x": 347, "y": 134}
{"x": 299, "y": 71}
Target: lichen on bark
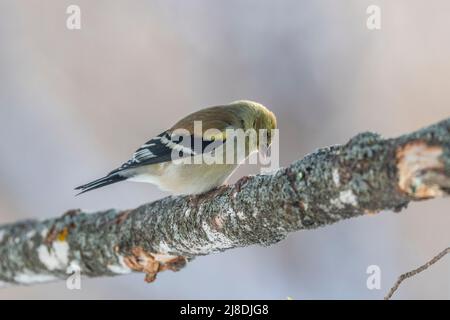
{"x": 366, "y": 175}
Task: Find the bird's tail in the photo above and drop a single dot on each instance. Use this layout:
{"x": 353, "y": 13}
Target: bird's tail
{"x": 109, "y": 179}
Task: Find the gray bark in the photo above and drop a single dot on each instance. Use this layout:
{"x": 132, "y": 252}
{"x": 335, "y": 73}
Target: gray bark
{"x": 366, "y": 175}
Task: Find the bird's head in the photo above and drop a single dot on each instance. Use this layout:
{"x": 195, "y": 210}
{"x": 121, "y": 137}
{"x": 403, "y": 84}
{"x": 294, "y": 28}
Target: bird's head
{"x": 257, "y": 117}
{"x": 265, "y": 120}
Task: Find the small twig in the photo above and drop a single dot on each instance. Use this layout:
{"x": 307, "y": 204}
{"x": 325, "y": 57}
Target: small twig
{"x": 412, "y": 273}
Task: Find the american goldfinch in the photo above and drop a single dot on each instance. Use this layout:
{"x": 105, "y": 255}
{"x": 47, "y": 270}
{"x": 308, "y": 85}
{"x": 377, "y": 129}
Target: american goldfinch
{"x": 179, "y": 159}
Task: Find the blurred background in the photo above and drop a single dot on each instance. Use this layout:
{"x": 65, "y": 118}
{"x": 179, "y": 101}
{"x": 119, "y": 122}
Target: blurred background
{"x": 76, "y": 103}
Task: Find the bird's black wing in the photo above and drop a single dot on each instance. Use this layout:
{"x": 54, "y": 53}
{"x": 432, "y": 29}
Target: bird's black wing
{"x": 166, "y": 147}
{"x": 162, "y": 148}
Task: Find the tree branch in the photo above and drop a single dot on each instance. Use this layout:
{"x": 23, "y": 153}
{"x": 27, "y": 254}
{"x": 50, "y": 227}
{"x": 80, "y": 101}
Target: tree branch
{"x": 418, "y": 270}
{"x": 366, "y": 175}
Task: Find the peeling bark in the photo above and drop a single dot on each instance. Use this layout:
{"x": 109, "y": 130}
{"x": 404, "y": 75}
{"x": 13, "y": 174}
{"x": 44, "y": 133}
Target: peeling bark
{"x": 366, "y": 175}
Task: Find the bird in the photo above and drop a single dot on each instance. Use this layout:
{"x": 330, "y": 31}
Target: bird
{"x": 175, "y": 160}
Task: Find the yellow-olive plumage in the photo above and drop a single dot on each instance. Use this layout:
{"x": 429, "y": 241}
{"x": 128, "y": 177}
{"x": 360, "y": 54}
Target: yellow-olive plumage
{"x": 153, "y": 162}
